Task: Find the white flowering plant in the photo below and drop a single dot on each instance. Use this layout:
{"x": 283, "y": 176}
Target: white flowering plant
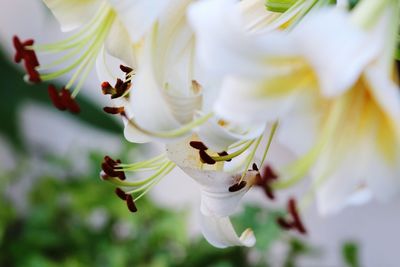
{"x": 217, "y": 81}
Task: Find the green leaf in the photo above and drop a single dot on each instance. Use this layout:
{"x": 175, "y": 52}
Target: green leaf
{"x": 350, "y": 254}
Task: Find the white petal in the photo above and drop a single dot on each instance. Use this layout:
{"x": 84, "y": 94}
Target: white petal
{"x": 336, "y": 48}
{"x": 386, "y": 93}
{"x": 119, "y": 45}
{"x": 224, "y": 46}
{"x": 337, "y": 189}
{"x": 300, "y": 127}
{"x": 219, "y": 232}
{"x": 73, "y": 13}
{"x": 255, "y": 101}
{"x": 138, "y": 16}
{"x": 383, "y": 179}
{"x": 107, "y": 67}
{"x": 183, "y": 107}
{"x": 149, "y": 108}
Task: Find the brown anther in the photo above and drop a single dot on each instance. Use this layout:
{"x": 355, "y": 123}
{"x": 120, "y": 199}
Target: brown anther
{"x": 198, "y": 145}
{"x": 118, "y": 90}
{"x": 205, "y": 158}
{"x": 294, "y": 222}
{"x": 110, "y": 168}
{"x": 255, "y": 167}
{"x": 265, "y": 180}
{"x": 269, "y": 174}
{"x": 107, "y": 88}
{"x": 110, "y": 161}
{"x": 283, "y": 223}
{"x": 120, "y": 193}
{"x": 104, "y": 176}
{"x": 125, "y": 69}
{"x": 69, "y": 102}
{"x": 196, "y": 87}
{"x": 55, "y": 98}
{"x": 223, "y": 154}
{"x": 24, "y": 53}
{"x": 114, "y": 110}
{"x": 62, "y": 100}
{"x": 297, "y": 223}
{"x": 269, "y": 192}
{"x": 238, "y": 186}
{"x": 131, "y": 203}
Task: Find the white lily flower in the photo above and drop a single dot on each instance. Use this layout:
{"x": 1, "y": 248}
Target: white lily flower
{"x": 170, "y": 100}
{"x": 358, "y": 153}
{"x": 115, "y": 24}
{"x": 178, "y": 95}
{"x": 332, "y": 98}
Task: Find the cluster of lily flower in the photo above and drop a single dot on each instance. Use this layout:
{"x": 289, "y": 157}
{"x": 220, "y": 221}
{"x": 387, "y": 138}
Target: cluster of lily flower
{"x": 211, "y": 79}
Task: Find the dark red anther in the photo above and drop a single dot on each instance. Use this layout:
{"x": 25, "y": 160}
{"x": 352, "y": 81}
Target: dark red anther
{"x": 294, "y": 222}
{"x": 62, "y": 100}
{"x": 255, "y": 167}
{"x": 110, "y": 161}
{"x": 125, "y": 69}
{"x": 55, "y": 98}
{"x": 198, "y": 145}
{"x": 69, "y": 102}
{"x": 269, "y": 174}
{"x": 120, "y": 193}
{"x": 118, "y": 90}
{"x": 114, "y": 110}
{"x": 131, "y": 203}
{"x": 109, "y": 167}
{"x": 223, "y": 154}
{"x": 265, "y": 180}
{"x": 284, "y": 224}
{"x": 24, "y": 53}
{"x": 238, "y": 186}
{"x": 107, "y": 88}
{"x": 297, "y": 223}
{"x": 269, "y": 192}
{"x": 205, "y": 158}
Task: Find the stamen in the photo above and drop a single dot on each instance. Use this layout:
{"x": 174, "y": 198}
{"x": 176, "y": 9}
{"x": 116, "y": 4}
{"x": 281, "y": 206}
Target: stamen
{"x": 23, "y": 53}
{"x": 297, "y": 223}
{"x": 120, "y": 193}
{"x": 265, "y": 180}
{"x": 109, "y": 167}
{"x": 255, "y": 167}
{"x": 284, "y": 224}
{"x": 131, "y": 204}
{"x": 269, "y": 174}
{"x": 82, "y": 47}
{"x": 205, "y": 158}
{"x": 238, "y": 186}
{"x": 224, "y": 154}
{"x": 234, "y": 154}
{"x": 198, "y": 145}
{"x": 114, "y": 110}
{"x": 178, "y": 132}
{"x": 294, "y": 222}
{"x": 121, "y": 87}
{"x": 62, "y": 100}
{"x": 118, "y": 90}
